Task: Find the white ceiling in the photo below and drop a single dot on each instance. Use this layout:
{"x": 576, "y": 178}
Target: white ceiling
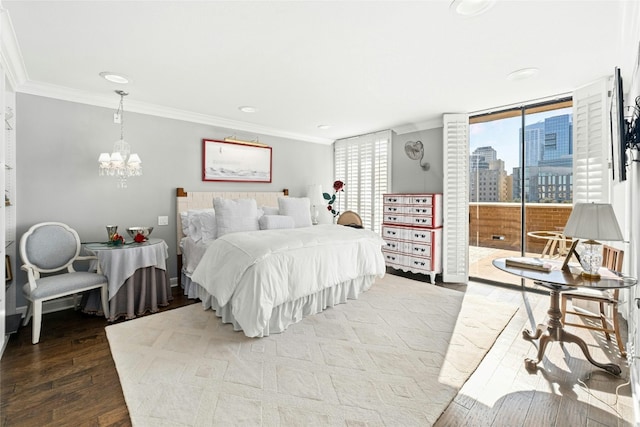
{"x": 357, "y": 66}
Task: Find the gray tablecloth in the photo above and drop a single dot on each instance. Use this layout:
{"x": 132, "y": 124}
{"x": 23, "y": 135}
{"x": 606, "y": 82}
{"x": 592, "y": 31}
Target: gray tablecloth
{"x": 145, "y": 291}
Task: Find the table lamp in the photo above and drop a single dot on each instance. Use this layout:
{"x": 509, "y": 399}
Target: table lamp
{"x": 592, "y": 221}
{"x": 314, "y": 193}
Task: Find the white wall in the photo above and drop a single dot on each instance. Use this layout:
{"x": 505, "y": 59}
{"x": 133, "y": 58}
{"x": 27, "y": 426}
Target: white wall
{"x": 58, "y": 144}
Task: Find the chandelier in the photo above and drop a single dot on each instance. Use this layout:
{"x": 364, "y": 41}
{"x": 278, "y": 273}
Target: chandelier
{"x": 121, "y": 163}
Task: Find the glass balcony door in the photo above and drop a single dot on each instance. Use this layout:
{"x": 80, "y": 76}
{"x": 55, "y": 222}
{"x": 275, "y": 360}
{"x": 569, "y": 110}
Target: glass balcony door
{"x": 520, "y": 185}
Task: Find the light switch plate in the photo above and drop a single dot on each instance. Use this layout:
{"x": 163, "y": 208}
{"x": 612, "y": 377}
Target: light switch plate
{"x": 163, "y": 220}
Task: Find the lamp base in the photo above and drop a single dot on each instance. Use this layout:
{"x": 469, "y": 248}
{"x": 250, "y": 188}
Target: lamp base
{"x": 590, "y": 276}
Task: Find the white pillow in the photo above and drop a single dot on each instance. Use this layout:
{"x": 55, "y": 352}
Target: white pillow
{"x": 195, "y": 222}
{"x": 208, "y": 225}
{"x": 233, "y": 215}
{"x": 297, "y": 207}
{"x": 274, "y": 222}
{"x": 270, "y": 210}
{"x": 184, "y": 220}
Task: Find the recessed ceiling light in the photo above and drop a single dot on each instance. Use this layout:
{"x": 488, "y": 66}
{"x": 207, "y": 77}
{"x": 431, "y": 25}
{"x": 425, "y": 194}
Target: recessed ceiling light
{"x": 248, "y": 109}
{"x": 524, "y": 73}
{"x": 471, "y": 7}
{"x": 114, "y": 77}
{"x": 323, "y": 127}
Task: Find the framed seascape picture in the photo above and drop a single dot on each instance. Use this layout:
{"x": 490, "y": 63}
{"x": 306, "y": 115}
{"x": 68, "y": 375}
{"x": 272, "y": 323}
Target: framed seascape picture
{"x": 235, "y": 162}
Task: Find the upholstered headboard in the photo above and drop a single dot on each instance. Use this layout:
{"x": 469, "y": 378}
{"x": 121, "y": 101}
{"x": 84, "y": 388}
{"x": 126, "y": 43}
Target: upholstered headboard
{"x": 204, "y": 199}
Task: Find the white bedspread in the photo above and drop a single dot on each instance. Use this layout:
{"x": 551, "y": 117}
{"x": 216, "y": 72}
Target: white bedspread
{"x": 259, "y": 270}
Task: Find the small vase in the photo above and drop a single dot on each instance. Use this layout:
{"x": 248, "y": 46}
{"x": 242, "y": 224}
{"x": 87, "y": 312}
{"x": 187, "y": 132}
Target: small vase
{"x": 111, "y": 231}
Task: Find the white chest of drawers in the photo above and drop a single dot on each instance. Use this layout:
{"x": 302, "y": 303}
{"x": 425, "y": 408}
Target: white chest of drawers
{"x": 412, "y": 230}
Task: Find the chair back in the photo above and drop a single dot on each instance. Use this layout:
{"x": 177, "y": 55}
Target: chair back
{"x": 612, "y": 258}
{"x": 349, "y": 218}
{"x": 49, "y": 247}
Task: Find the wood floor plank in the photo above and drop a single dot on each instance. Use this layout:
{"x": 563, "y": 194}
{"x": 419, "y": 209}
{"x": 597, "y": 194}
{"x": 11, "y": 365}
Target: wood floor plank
{"x": 454, "y": 416}
{"x": 553, "y": 391}
{"x": 69, "y": 378}
{"x": 543, "y": 410}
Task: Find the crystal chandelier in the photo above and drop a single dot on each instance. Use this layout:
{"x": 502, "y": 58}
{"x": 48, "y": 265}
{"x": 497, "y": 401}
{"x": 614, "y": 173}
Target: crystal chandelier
{"x": 121, "y": 163}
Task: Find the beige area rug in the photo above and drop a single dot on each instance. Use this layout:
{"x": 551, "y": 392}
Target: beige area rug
{"x": 396, "y": 356}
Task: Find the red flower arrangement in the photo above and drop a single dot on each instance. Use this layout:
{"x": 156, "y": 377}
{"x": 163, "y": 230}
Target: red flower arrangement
{"x": 116, "y": 240}
{"x": 139, "y": 238}
{"x": 338, "y": 186}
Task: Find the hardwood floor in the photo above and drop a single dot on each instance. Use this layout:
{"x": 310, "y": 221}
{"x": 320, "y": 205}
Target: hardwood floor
{"x": 566, "y": 390}
{"x": 69, "y": 378}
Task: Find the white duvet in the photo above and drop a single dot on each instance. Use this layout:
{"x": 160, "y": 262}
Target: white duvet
{"x": 258, "y": 270}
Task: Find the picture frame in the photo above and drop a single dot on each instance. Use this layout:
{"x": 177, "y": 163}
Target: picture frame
{"x": 235, "y": 161}
{"x": 8, "y": 274}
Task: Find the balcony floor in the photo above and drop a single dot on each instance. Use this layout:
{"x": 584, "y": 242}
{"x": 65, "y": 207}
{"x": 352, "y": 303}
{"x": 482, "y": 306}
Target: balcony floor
{"x": 481, "y": 268}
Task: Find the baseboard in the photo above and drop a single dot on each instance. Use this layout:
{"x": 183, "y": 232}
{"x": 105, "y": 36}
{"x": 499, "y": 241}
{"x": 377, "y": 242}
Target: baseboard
{"x": 635, "y": 387}
{"x": 66, "y": 303}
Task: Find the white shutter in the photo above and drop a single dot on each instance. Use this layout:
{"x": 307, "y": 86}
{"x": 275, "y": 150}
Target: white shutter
{"x": 591, "y": 146}
{"x": 455, "y": 240}
{"x": 362, "y": 163}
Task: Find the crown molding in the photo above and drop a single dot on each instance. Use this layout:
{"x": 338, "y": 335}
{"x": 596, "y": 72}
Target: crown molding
{"x": 10, "y": 55}
{"x": 12, "y": 62}
{"x": 418, "y": 126}
{"x": 108, "y": 101}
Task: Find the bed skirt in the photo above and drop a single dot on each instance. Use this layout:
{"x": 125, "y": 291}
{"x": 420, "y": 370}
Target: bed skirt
{"x": 288, "y": 313}
{"x": 190, "y": 289}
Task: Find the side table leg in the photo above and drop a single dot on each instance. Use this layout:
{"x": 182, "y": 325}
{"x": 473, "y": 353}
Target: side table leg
{"x": 609, "y": 367}
{"x": 545, "y": 338}
{"x": 554, "y": 331}
{"x": 528, "y": 335}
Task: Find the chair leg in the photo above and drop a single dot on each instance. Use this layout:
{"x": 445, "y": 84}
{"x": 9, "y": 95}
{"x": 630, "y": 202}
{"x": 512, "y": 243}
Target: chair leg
{"x": 37, "y": 321}
{"x": 27, "y": 316}
{"x": 616, "y": 328}
{"x": 563, "y": 308}
{"x": 104, "y": 296}
{"x": 603, "y": 320}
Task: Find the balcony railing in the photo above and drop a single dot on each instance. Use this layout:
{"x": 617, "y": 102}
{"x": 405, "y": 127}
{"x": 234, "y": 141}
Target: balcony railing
{"x": 495, "y": 230}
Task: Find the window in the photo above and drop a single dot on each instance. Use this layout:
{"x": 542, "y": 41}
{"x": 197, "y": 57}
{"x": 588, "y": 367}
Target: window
{"x": 364, "y": 164}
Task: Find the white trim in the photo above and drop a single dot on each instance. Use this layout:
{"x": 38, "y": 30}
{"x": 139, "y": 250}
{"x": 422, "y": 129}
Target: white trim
{"x": 10, "y": 55}
{"x": 12, "y": 62}
{"x": 419, "y": 126}
{"x": 66, "y": 303}
{"x": 108, "y": 101}
{"x": 455, "y": 206}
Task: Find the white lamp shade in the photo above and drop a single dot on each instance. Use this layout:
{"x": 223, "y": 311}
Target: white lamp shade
{"x": 116, "y": 157}
{"x": 595, "y": 221}
{"x": 104, "y": 158}
{"x": 314, "y": 193}
{"x": 134, "y": 158}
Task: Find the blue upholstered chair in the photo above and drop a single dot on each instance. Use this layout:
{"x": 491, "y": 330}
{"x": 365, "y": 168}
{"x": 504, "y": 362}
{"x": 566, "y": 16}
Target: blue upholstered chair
{"x": 51, "y": 248}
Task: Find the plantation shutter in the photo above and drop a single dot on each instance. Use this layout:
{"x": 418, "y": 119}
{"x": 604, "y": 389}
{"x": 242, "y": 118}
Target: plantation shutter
{"x": 362, "y": 163}
{"x": 455, "y": 241}
{"x": 591, "y": 143}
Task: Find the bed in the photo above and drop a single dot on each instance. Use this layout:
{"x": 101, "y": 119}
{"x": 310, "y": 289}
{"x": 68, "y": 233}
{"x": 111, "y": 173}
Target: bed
{"x": 265, "y": 278}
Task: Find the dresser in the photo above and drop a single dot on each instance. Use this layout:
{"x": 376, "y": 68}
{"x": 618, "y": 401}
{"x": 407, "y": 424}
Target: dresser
{"x": 412, "y": 230}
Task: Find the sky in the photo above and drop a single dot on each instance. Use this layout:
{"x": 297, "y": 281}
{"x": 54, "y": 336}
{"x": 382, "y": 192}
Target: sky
{"x": 503, "y": 135}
